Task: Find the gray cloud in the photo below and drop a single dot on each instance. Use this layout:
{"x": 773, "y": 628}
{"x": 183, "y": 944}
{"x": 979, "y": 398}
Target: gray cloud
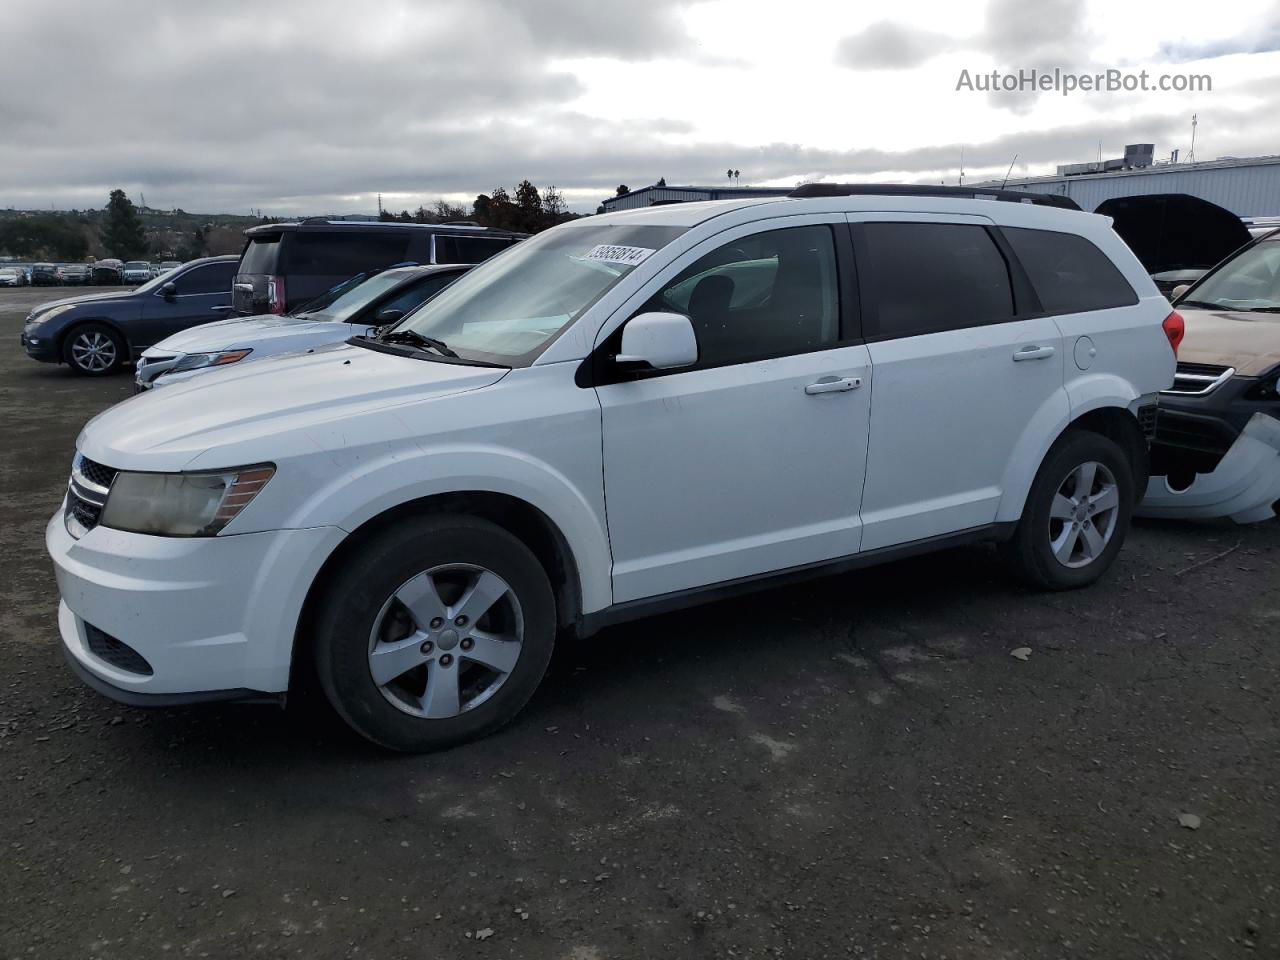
{"x": 1263, "y": 37}
{"x": 890, "y": 46}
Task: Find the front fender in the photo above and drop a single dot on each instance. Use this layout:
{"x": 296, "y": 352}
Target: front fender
{"x": 370, "y": 487}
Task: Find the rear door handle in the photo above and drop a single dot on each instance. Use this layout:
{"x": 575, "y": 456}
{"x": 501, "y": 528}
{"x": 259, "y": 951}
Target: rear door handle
{"x": 833, "y": 385}
{"x": 1033, "y": 353}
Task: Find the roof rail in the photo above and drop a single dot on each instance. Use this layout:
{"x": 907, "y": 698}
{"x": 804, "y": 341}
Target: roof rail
{"x": 925, "y": 190}
{"x": 460, "y": 223}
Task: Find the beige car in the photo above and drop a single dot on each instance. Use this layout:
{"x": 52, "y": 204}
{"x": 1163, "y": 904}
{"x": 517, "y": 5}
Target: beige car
{"x": 1217, "y": 446}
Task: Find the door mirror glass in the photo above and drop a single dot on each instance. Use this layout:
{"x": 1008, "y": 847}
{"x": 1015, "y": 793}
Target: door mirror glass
{"x": 169, "y": 290}
{"x": 663, "y": 341}
{"x": 390, "y": 315}
{"x": 1179, "y": 290}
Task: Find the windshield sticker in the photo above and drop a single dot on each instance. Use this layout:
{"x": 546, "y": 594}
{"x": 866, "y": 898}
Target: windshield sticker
{"x": 611, "y": 253}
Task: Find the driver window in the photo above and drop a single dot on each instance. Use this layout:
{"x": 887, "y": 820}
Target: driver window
{"x": 766, "y": 295}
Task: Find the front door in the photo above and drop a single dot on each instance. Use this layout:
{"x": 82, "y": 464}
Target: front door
{"x": 752, "y": 461}
{"x": 201, "y": 295}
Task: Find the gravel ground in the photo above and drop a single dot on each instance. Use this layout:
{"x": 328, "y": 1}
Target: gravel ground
{"x": 853, "y": 767}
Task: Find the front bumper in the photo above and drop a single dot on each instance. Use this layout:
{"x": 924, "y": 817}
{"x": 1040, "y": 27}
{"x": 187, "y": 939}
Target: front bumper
{"x": 40, "y": 348}
{"x": 152, "y": 366}
{"x": 1245, "y": 484}
{"x": 208, "y": 617}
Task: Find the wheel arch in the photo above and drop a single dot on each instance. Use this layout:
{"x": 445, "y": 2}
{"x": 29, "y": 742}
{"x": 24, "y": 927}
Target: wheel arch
{"x": 530, "y": 525}
{"x": 78, "y": 322}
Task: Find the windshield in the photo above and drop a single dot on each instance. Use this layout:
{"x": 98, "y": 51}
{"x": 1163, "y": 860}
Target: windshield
{"x": 137, "y": 265}
{"x": 1249, "y": 282}
{"x": 510, "y": 307}
{"x": 351, "y": 296}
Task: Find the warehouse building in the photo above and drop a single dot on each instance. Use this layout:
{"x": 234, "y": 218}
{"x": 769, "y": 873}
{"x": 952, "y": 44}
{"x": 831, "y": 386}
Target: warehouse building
{"x": 649, "y": 196}
{"x": 1247, "y": 186}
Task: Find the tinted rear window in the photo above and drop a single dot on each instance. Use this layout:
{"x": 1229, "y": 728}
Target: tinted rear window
{"x": 260, "y": 255}
{"x": 451, "y": 248}
{"x": 930, "y": 277}
{"x": 1070, "y": 274}
{"x": 343, "y": 254}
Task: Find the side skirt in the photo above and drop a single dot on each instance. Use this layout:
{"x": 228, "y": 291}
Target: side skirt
{"x": 668, "y": 602}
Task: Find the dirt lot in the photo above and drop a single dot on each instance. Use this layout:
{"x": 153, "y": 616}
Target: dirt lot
{"x": 854, "y": 767}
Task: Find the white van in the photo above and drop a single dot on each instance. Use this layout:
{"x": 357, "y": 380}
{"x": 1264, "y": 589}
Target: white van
{"x": 627, "y": 413}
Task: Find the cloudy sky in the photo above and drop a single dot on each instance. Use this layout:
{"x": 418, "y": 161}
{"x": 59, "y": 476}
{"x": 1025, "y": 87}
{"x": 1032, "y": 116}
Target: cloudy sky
{"x": 308, "y": 106}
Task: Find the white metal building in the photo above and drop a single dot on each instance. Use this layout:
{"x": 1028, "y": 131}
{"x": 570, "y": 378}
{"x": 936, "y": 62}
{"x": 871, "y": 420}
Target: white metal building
{"x": 1249, "y": 186}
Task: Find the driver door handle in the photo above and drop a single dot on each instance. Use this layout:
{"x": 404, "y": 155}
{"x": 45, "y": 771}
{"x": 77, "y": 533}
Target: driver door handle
{"x": 833, "y": 385}
{"x": 222, "y": 309}
{"x": 1033, "y": 353}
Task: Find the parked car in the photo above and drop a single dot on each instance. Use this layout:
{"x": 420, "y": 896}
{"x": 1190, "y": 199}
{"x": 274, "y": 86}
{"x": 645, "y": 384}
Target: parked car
{"x": 108, "y": 273}
{"x": 44, "y": 275}
{"x": 1217, "y": 449}
{"x": 167, "y": 265}
{"x": 1167, "y": 281}
{"x": 354, "y": 308}
{"x": 75, "y": 275}
{"x": 136, "y": 271}
{"x": 283, "y": 265}
{"x": 629, "y": 413}
{"x": 13, "y": 277}
{"x": 95, "y": 334}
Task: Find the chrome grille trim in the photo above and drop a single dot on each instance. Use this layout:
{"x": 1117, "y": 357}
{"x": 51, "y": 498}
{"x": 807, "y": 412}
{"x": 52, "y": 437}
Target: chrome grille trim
{"x": 1196, "y": 380}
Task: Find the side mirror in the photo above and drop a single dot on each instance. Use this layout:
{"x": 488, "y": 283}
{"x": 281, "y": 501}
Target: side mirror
{"x": 390, "y": 315}
{"x": 1179, "y": 290}
{"x": 663, "y": 341}
{"x": 169, "y": 290}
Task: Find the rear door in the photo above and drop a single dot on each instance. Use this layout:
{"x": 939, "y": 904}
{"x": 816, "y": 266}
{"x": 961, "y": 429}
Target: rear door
{"x": 963, "y": 371}
{"x": 201, "y": 294}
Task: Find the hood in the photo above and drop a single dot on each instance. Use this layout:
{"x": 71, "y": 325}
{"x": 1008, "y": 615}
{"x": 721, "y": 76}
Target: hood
{"x": 227, "y": 412}
{"x": 236, "y": 332}
{"x": 1250, "y": 342}
{"x": 83, "y": 298}
{"x": 1175, "y": 231}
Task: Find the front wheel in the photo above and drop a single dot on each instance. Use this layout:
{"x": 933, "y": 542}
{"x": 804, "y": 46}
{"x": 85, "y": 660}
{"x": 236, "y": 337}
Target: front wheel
{"x": 434, "y": 632}
{"x": 1076, "y": 516}
{"x": 94, "y": 350}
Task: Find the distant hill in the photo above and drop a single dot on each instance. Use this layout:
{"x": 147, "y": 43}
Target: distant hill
{"x": 172, "y": 234}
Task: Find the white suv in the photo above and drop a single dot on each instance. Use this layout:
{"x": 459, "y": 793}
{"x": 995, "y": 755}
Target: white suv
{"x": 627, "y": 413}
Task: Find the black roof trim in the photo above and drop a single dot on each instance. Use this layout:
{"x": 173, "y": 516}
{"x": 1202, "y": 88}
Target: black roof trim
{"x": 924, "y": 190}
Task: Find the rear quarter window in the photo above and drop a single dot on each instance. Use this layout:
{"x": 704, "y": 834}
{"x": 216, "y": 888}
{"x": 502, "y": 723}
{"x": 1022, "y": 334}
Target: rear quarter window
{"x": 1070, "y": 274}
{"x": 343, "y": 253}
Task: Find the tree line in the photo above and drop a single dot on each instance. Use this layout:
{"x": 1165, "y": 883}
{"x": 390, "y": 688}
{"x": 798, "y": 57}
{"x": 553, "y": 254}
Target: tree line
{"x": 524, "y": 209}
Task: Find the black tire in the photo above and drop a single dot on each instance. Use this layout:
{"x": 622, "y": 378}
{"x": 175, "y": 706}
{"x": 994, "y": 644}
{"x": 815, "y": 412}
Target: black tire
{"x": 357, "y": 594}
{"x": 1028, "y": 553}
{"x": 94, "y": 350}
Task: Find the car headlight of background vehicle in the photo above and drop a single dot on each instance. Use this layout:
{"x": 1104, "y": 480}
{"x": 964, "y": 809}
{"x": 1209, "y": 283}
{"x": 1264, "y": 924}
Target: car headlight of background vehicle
{"x": 182, "y": 504}
{"x": 195, "y": 361}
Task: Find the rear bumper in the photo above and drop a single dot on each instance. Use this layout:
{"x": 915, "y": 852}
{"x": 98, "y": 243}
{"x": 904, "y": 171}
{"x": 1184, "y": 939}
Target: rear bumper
{"x": 1244, "y": 485}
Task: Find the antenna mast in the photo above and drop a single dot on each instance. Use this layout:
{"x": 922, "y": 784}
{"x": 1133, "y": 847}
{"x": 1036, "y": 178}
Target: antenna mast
{"x": 1009, "y": 171}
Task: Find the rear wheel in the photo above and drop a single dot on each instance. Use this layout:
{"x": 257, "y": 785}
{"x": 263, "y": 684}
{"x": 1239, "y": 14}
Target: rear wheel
{"x": 94, "y": 350}
{"x": 435, "y": 632}
{"x": 1076, "y": 516}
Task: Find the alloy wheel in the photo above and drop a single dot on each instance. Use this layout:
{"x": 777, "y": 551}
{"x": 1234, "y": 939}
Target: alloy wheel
{"x": 93, "y": 352}
{"x": 1083, "y": 516}
{"x": 446, "y": 641}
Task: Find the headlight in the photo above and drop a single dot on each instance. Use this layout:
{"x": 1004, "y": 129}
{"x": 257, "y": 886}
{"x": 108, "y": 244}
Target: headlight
{"x": 182, "y": 504}
{"x": 48, "y": 314}
{"x": 195, "y": 361}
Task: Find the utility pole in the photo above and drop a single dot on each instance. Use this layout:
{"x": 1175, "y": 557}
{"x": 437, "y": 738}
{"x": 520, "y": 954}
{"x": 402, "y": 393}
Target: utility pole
{"x": 1191, "y": 156}
{"x": 379, "y": 206}
{"x": 962, "y": 166}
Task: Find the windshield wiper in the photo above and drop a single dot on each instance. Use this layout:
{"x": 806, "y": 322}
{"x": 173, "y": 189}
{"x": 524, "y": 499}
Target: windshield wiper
{"x": 413, "y": 338}
{"x": 1203, "y": 304}
{"x": 1264, "y": 309}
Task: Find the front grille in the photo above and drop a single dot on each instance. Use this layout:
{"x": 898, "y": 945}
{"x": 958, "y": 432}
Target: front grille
{"x": 1197, "y": 379}
{"x": 86, "y": 494}
{"x": 116, "y": 652}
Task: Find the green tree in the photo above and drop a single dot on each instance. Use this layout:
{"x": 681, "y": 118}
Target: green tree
{"x": 196, "y": 247}
{"x": 122, "y": 234}
{"x": 528, "y": 207}
{"x": 553, "y": 204}
{"x": 622, "y": 190}
{"x": 43, "y": 238}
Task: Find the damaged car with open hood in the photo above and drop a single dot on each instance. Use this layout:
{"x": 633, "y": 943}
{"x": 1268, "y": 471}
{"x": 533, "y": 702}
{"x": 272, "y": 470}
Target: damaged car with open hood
{"x": 1217, "y": 446}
